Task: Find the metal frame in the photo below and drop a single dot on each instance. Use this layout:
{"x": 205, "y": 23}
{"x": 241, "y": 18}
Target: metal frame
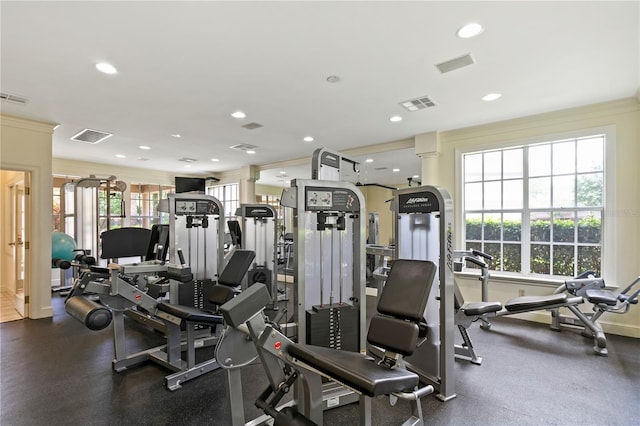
{"x": 424, "y": 231}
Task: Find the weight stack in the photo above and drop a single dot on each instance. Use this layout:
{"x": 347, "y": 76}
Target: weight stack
{"x": 333, "y": 326}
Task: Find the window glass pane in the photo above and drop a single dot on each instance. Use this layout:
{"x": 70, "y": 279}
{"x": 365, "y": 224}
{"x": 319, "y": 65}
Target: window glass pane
{"x": 564, "y": 158}
{"x": 512, "y": 227}
{"x": 492, "y": 195}
{"x": 492, "y": 227}
{"x": 472, "y": 167}
{"x": 563, "y": 260}
{"x": 492, "y": 165}
{"x": 493, "y": 249}
{"x": 563, "y": 227}
{"x": 589, "y": 227}
{"x": 473, "y": 227}
{"x": 512, "y": 258}
{"x": 589, "y": 259}
{"x": 590, "y": 154}
{"x": 540, "y": 160}
{"x": 540, "y": 226}
{"x": 512, "y": 194}
{"x": 590, "y": 189}
{"x": 512, "y": 163}
{"x": 473, "y": 196}
{"x": 539, "y": 193}
{"x": 564, "y": 191}
{"x": 539, "y": 261}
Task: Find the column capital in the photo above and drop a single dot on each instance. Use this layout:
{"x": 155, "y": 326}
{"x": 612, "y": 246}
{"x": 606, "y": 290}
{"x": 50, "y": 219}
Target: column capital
{"x": 427, "y": 145}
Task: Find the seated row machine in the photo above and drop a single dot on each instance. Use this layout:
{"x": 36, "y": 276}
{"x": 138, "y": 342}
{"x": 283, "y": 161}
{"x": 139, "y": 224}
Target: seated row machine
{"x": 397, "y": 330}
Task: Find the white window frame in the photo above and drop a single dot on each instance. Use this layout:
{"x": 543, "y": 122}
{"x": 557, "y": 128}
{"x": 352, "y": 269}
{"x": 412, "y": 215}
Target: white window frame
{"x": 212, "y": 190}
{"x": 609, "y": 251}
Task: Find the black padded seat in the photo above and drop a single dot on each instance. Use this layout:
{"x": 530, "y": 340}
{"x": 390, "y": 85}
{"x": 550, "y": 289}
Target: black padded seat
{"x": 355, "y": 370}
{"x": 479, "y": 308}
{"x": 602, "y": 296}
{"x": 534, "y": 302}
{"x": 190, "y": 314}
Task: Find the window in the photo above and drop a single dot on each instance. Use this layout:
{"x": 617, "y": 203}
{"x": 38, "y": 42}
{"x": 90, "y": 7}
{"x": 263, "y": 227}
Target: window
{"x": 144, "y": 202}
{"x": 538, "y": 208}
{"x": 229, "y": 196}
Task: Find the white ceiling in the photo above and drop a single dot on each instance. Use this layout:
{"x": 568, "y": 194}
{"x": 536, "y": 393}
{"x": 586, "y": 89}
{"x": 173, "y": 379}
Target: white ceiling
{"x": 183, "y": 67}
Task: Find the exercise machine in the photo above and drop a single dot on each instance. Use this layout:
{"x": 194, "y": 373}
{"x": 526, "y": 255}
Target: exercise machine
{"x": 259, "y": 234}
{"x": 395, "y": 331}
{"x": 424, "y": 231}
{"x": 123, "y": 287}
{"x": 329, "y": 277}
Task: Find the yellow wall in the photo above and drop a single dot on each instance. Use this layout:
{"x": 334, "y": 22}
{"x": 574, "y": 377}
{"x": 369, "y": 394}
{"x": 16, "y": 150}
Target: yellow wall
{"x": 26, "y": 145}
{"x": 624, "y": 116}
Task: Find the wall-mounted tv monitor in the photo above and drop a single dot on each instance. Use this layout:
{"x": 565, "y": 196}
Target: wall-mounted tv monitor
{"x": 188, "y": 184}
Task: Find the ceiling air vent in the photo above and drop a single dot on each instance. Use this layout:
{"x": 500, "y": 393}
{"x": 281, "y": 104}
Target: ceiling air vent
{"x": 381, "y": 168}
{"x": 455, "y": 64}
{"x": 418, "y": 103}
{"x": 243, "y": 147}
{"x": 187, "y": 160}
{"x": 91, "y": 136}
{"x": 13, "y": 98}
{"x": 252, "y": 126}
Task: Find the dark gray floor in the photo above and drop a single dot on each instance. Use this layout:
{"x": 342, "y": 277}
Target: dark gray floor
{"x": 57, "y": 372}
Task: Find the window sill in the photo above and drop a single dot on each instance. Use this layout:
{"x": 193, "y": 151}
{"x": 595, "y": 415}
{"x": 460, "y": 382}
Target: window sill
{"x": 504, "y": 278}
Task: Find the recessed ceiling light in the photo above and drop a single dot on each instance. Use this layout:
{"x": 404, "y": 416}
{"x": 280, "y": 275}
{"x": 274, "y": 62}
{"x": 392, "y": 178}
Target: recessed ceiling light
{"x": 144, "y": 147}
{"x": 106, "y": 68}
{"x": 369, "y": 160}
{"x": 491, "y": 97}
{"x": 121, "y": 156}
{"x": 187, "y": 166}
{"x": 308, "y": 139}
{"x": 176, "y": 135}
{"x": 283, "y": 172}
{"x": 395, "y": 118}
{"x": 251, "y": 151}
{"x": 470, "y": 30}
{"x": 238, "y": 114}
{"x": 396, "y": 170}
{"x": 415, "y": 176}
{"x": 215, "y": 159}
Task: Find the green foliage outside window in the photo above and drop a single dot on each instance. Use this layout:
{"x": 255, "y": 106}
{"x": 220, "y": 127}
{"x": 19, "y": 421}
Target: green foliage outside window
{"x": 563, "y": 259}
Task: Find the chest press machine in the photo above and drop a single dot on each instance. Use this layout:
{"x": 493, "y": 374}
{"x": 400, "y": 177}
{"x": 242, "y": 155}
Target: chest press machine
{"x": 394, "y": 331}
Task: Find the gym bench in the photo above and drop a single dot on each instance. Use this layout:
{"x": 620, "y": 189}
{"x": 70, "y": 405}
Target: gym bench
{"x": 584, "y": 288}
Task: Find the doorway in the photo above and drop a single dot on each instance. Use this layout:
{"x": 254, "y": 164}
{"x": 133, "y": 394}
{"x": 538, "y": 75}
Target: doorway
{"x": 15, "y": 242}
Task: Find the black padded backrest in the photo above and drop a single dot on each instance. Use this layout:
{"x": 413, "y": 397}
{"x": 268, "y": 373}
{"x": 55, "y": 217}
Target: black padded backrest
{"x": 407, "y": 289}
{"x": 124, "y": 242}
{"x": 235, "y": 231}
{"x": 159, "y": 236}
{"x": 236, "y": 268}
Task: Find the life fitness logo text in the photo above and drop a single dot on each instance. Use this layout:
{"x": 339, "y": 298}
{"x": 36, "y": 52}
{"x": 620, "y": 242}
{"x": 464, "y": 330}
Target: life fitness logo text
{"x": 415, "y": 200}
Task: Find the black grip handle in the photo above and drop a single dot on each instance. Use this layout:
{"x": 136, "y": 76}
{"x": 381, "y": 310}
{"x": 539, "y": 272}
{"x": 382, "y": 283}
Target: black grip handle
{"x": 181, "y": 257}
{"x": 478, "y": 262}
{"x": 479, "y": 253}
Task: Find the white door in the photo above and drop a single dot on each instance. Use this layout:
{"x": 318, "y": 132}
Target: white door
{"x": 18, "y": 242}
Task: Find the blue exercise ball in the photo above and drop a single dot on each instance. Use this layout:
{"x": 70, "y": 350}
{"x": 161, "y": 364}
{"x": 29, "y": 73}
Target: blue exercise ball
{"x": 62, "y": 246}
